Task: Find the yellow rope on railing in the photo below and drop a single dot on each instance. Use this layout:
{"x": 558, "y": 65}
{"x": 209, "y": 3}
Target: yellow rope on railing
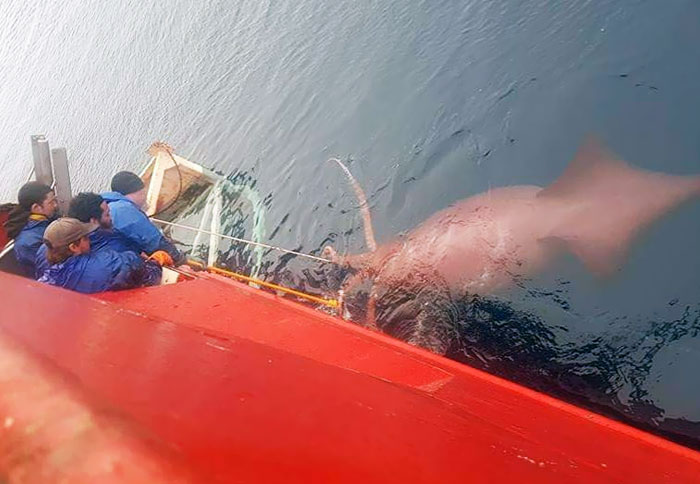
{"x": 333, "y": 303}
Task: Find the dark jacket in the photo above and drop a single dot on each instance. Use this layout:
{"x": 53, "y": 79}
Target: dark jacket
{"x": 132, "y": 223}
{"x": 104, "y": 270}
{"x": 28, "y": 242}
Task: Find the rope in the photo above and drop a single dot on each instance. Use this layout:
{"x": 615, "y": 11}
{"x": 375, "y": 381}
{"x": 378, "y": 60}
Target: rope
{"x": 326, "y": 302}
{"x": 244, "y": 241}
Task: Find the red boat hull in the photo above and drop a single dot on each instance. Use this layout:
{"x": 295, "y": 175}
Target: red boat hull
{"x": 243, "y": 386}
{"x": 4, "y": 214}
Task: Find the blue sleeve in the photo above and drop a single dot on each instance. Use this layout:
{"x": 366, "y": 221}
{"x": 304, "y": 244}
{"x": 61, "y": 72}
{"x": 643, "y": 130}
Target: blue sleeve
{"x": 25, "y": 258}
{"x": 104, "y": 270}
{"x": 125, "y": 266}
{"x": 26, "y": 245}
{"x": 41, "y": 264}
{"x": 130, "y": 271}
{"x": 135, "y": 226}
{"x": 151, "y": 274}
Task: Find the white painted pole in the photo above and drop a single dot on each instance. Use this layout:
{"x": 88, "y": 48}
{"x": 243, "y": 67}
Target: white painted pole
{"x": 154, "y": 186}
{"x": 42, "y": 159}
{"x": 214, "y": 238}
{"x": 206, "y": 218}
{"x": 62, "y": 178}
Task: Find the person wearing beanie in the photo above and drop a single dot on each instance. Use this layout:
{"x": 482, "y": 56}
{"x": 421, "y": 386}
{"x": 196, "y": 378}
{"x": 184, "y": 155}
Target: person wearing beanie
{"x": 28, "y": 220}
{"x": 73, "y": 265}
{"x": 126, "y": 201}
{"x": 131, "y": 186}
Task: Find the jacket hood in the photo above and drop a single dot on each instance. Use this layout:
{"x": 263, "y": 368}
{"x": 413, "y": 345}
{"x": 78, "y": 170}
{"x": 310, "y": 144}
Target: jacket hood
{"x": 114, "y": 196}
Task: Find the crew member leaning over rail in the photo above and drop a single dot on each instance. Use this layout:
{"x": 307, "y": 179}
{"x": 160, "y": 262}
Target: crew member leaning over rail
{"x": 28, "y": 221}
{"x": 125, "y": 201}
{"x": 90, "y": 207}
{"x": 73, "y": 265}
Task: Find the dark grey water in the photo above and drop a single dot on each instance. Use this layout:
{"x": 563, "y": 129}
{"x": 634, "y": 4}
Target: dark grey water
{"x": 431, "y": 102}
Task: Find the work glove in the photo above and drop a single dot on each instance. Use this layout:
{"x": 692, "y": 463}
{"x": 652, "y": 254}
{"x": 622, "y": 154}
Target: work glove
{"x": 162, "y": 258}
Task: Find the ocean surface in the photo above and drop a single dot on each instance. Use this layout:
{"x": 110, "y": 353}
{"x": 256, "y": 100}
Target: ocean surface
{"x": 427, "y": 102}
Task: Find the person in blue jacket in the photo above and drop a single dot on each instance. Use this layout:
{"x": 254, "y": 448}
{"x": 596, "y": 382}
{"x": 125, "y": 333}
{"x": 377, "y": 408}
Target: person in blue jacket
{"x": 28, "y": 221}
{"x": 90, "y": 207}
{"x": 125, "y": 201}
{"x": 73, "y": 265}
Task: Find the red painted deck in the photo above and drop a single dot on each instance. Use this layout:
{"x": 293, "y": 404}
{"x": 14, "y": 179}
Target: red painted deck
{"x": 246, "y": 387}
{"x": 52, "y": 431}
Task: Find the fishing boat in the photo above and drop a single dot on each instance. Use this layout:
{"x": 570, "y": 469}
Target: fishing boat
{"x": 218, "y": 376}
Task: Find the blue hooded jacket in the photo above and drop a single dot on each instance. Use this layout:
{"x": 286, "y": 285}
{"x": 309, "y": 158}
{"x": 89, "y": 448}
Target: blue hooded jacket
{"x": 41, "y": 264}
{"x": 113, "y": 240}
{"x": 100, "y": 239}
{"x": 130, "y": 221}
{"x": 105, "y": 270}
{"x": 28, "y": 242}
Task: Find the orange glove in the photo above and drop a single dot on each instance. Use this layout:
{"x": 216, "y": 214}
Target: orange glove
{"x": 162, "y": 258}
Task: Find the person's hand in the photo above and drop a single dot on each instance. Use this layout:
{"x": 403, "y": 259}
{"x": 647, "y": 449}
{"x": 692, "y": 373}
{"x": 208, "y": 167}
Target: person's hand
{"x": 162, "y": 258}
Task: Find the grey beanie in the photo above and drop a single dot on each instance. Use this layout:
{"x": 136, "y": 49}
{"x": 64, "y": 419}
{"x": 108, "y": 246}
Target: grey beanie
{"x": 126, "y": 182}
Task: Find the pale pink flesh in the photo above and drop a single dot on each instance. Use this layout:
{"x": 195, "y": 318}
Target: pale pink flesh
{"x": 595, "y": 210}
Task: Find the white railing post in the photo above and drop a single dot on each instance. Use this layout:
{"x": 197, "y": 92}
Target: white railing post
{"x": 59, "y": 158}
{"x": 214, "y": 238}
{"x": 42, "y": 159}
{"x": 205, "y": 220}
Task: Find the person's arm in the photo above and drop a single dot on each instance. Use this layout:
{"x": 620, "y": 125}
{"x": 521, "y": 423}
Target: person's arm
{"x": 178, "y": 257}
{"x": 125, "y": 267}
{"x": 152, "y": 273}
{"x": 141, "y": 232}
{"x": 26, "y": 247}
{"x": 129, "y": 270}
{"x": 40, "y": 263}
{"x": 136, "y": 226}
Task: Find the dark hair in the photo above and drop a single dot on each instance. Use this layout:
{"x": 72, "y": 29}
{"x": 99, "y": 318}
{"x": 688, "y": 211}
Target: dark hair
{"x": 30, "y": 193}
{"x": 86, "y": 206}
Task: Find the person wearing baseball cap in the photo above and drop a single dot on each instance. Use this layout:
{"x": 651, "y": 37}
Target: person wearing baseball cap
{"x": 72, "y": 265}
{"x": 126, "y": 201}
